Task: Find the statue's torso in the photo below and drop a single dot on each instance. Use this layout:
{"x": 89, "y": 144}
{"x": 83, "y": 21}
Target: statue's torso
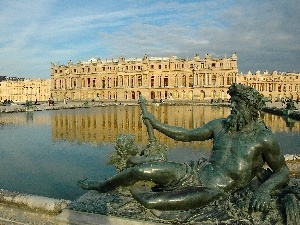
{"x": 236, "y": 158}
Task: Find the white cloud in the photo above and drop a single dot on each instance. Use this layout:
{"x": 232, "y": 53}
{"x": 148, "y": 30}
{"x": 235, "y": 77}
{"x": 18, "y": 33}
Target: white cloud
{"x": 264, "y": 33}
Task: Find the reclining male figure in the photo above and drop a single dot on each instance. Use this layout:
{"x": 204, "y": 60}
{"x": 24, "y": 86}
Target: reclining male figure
{"x": 242, "y": 144}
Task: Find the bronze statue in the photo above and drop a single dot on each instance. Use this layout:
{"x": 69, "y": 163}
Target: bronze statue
{"x": 242, "y": 145}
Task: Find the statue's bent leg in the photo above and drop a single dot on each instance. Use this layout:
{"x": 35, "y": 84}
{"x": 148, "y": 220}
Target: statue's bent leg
{"x": 183, "y": 198}
{"x": 161, "y": 173}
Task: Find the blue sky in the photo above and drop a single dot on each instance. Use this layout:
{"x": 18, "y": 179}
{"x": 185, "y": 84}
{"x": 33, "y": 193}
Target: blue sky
{"x": 264, "y": 33}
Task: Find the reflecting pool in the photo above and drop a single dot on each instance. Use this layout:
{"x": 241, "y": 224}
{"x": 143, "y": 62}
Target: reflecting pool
{"x": 46, "y": 152}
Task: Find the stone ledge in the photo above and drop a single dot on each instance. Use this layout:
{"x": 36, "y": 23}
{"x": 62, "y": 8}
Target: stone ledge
{"x": 13, "y": 215}
{"x": 35, "y": 202}
{"x": 19, "y": 209}
{"x": 82, "y": 218}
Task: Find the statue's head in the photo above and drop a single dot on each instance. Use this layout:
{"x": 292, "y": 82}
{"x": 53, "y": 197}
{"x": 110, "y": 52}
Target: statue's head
{"x": 250, "y": 103}
{"x": 248, "y": 94}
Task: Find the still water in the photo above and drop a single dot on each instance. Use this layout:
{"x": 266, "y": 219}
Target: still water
{"x": 46, "y": 152}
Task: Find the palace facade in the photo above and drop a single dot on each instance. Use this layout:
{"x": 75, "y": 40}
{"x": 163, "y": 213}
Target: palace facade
{"x": 20, "y": 90}
{"x": 273, "y": 86}
{"x": 156, "y": 78}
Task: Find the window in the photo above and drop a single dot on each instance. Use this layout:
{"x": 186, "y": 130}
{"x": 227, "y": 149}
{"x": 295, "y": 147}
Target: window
{"x": 191, "y": 81}
{"x": 139, "y": 81}
{"x": 152, "y": 81}
{"x": 183, "y": 81}
{"x": 166, "y": 82}
{"x": 213, "y": 79}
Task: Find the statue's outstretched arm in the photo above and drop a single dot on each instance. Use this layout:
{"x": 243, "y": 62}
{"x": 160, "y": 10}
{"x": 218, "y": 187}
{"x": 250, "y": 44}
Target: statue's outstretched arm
{"x": 174, "y": 132}
{"x": 179, "y": 133}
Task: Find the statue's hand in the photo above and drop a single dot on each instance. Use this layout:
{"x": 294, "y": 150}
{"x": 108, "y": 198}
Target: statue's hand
{"x": 260, "y": 201}
{"x": 147, "y": 116}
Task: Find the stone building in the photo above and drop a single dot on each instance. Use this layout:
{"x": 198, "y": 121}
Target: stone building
{"x": 156, "y": 78}
{"x": 20, "y": 90}
{"x": 273, "y": 86}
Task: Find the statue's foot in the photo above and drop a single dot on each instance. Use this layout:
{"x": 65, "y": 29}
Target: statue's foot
{"x": 87, "y": 184}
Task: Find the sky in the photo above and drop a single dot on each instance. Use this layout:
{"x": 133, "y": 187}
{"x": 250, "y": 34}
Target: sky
{"x": 264, "y": 33}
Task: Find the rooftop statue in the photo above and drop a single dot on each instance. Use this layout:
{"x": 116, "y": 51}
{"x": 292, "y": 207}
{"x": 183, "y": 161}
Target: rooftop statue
{"x": 242, "y": 147}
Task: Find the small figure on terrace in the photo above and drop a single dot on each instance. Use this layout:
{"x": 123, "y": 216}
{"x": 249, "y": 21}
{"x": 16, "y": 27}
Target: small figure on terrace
{"x": 242, "y": 145}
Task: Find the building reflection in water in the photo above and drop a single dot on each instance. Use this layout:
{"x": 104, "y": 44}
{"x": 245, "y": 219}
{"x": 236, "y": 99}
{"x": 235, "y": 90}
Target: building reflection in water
{"x": 103, "y": 124}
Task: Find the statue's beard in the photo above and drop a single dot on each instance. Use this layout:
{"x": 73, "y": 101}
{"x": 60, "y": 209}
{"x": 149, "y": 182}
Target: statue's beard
{"x": 237, "y": 120}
